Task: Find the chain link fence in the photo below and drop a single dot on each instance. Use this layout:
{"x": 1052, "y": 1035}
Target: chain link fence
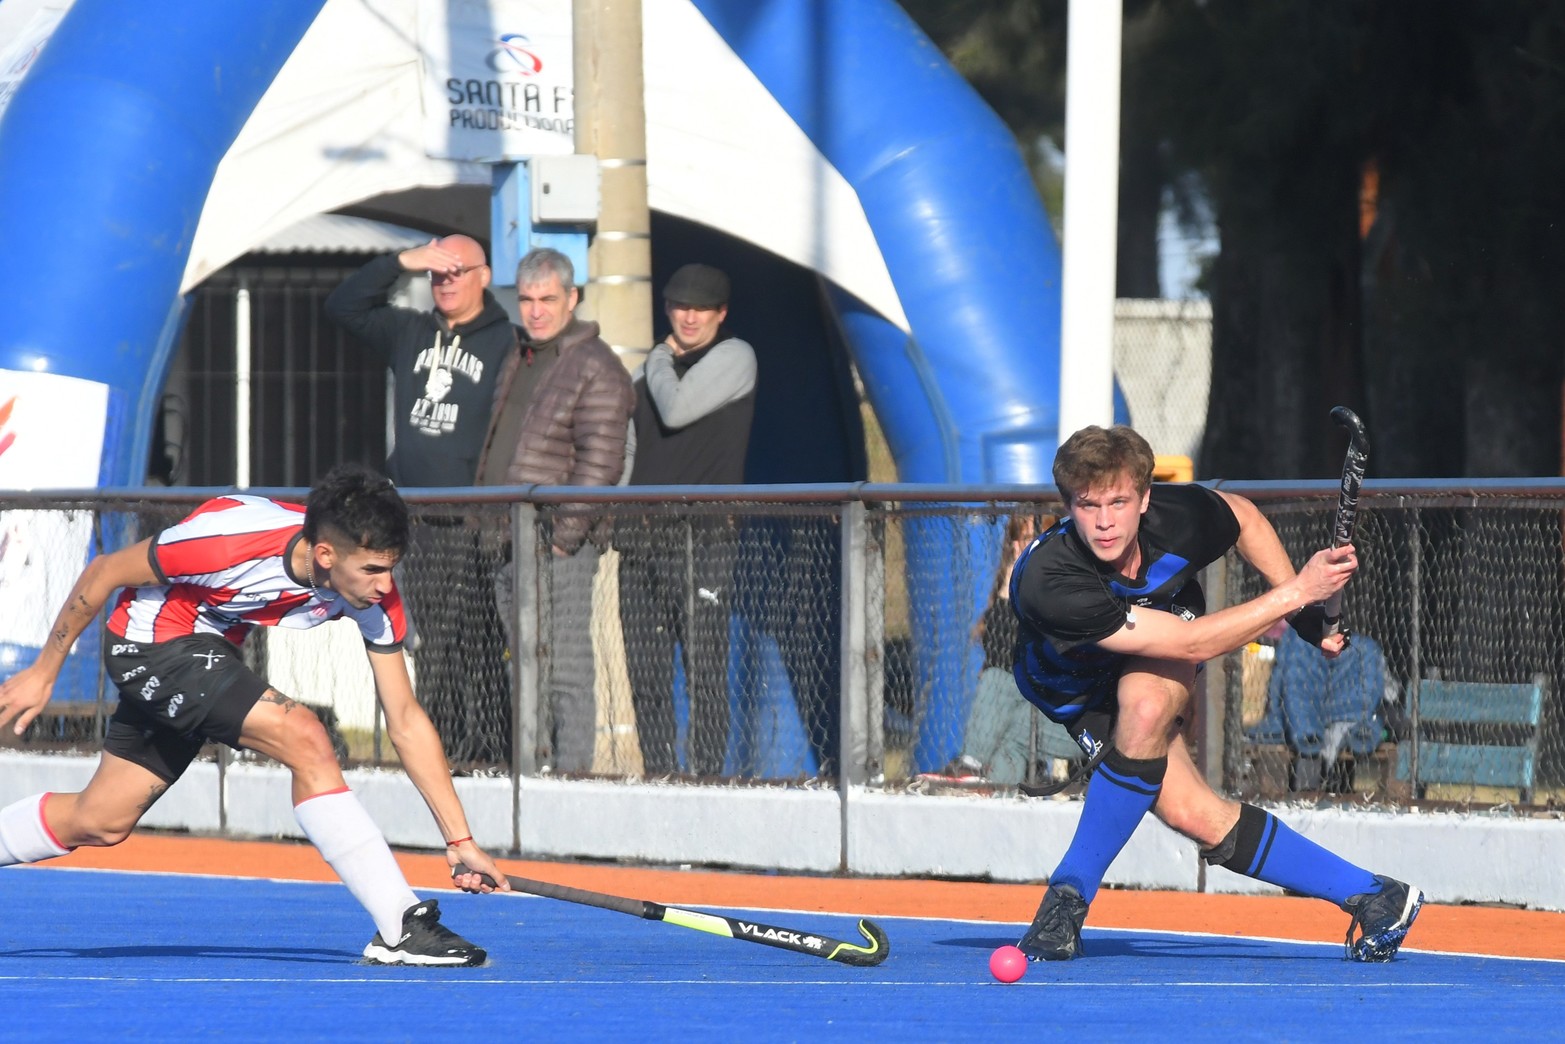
{"x": 1449, "y": 693}
{"x": 807, "y": 635}
{"x": 1163, "y": 364}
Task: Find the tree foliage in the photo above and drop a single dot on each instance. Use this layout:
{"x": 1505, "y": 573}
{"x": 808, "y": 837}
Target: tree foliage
{"x": 1387, "y": 181}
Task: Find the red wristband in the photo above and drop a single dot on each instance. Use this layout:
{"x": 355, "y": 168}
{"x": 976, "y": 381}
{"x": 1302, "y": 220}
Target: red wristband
{"x": 458, "y": 841}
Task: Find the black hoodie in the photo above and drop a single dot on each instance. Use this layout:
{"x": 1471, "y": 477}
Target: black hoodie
{"x": 444, "y": 376}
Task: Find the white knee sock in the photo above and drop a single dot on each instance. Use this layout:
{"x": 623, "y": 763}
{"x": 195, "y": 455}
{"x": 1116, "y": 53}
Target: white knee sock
{"x": 24, "y": 836}
{"x": 350, "y": 841}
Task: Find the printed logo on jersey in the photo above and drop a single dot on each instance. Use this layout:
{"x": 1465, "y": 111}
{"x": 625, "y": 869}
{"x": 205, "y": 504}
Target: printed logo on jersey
{"x": 223, "y": 620}
{"x": 209, "y": 657}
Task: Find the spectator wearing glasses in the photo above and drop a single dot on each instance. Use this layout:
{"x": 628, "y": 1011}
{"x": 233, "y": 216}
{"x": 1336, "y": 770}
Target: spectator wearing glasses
{"x": 445, "y": 362}
{"x": 445, "y": 365}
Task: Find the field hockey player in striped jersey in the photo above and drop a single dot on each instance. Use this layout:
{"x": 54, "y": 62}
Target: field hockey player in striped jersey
{"x": 188, "y": 598}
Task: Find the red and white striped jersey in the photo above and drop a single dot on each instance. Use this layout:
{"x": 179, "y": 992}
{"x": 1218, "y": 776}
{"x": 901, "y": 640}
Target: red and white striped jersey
{"x": 223, "y": 571}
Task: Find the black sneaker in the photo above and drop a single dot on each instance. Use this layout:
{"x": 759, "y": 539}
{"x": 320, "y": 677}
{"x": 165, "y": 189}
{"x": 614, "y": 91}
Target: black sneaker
{"x": 1382, "y": 919}
{"x": 1055, "y": 934}
{"x": 425, "y": 942}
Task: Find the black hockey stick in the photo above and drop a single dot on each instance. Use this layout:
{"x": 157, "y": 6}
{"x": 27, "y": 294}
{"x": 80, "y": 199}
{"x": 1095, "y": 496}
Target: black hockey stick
{"x": 1081, "y": 772}
{"x": 1353, "y": 466}
{"x": 814, "y": 945}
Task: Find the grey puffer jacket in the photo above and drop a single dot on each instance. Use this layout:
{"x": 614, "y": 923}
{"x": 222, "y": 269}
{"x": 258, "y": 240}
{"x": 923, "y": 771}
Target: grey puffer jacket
{"x": 573, "y": 433}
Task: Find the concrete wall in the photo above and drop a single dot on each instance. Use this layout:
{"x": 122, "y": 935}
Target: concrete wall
{"x": 1454, "y": 857}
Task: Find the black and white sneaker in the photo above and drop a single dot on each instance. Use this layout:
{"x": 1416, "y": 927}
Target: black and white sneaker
{"x": 1055, "y": 932}
{"x": 1381, "y": 920}
{"x": 425, "y": 942}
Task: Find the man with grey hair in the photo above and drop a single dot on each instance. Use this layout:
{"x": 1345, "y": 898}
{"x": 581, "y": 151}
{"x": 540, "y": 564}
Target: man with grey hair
{"x": 561, "y": 417}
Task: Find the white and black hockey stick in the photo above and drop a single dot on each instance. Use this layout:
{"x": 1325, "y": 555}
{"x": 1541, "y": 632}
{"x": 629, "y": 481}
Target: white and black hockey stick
{"x": 1353, "y": 466}
{"x": 870, "y": 952}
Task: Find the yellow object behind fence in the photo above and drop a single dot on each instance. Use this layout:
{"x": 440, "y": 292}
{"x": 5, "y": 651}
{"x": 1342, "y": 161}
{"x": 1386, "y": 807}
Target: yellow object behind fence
{"x": 1172, "y": 468}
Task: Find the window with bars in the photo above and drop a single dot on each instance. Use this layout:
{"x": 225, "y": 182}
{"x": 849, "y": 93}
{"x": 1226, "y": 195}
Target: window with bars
{"x": 315, "y": 395}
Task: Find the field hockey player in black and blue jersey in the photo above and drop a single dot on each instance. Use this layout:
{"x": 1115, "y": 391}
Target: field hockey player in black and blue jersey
{"x": 1113, "y": 629}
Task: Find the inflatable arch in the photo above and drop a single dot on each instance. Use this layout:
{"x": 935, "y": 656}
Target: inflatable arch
{"x": 148, "y": 145}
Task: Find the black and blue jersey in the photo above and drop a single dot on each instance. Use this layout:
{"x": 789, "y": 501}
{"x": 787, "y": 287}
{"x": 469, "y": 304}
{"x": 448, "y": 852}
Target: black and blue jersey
{"x": 1066, "y": 600}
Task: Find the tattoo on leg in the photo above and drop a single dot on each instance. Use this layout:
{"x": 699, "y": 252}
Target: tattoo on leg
{"x": 152, "y": 795}
{"x": 287, "y": 703}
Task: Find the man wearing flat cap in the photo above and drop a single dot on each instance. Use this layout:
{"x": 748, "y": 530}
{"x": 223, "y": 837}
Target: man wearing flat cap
{"x": 695, "y": 400}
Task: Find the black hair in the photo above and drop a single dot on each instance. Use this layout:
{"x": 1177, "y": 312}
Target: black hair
{"x": 353, "y": 502}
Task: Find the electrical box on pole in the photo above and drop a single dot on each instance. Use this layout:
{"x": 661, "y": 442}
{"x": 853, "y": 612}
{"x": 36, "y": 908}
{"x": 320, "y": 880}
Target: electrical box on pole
{"x": 545, "y": 201}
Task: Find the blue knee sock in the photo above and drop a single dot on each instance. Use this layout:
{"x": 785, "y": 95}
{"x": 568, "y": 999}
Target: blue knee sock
{"x": 1263, "y": 847}
{"x": 1122, "y": 790}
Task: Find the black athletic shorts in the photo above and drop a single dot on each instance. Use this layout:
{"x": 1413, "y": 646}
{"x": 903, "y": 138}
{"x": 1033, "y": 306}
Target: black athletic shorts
{"x": 1090, "y": 728}
{"x": 174, "y": 696}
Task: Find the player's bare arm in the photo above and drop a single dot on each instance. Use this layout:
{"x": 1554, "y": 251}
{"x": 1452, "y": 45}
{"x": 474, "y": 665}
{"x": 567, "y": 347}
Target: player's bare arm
{"x": 1260, "y": 546}
{"x": 424, "y": 759}
{"x": 25, "y": 694}
{"x": 1160, "y": 635}
{"x": 1258, "y": 543}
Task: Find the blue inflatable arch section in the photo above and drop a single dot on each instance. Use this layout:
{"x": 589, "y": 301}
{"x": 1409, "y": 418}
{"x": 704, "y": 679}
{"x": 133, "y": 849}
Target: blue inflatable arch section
{"x": 972, "y": 395}
{"x": 109, "y": 148}
{"x": 107, "y": 151}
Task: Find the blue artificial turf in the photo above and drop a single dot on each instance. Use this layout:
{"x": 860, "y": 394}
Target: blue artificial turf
{"x": 99, "y": 955}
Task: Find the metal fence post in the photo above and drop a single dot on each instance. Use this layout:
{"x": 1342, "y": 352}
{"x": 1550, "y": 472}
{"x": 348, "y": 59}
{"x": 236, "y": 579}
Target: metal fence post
{"x": 1415, "y": 579}
{"x": 853, "y": 755}
{"x": 1212, "y": 689}
{"x": 874, "y": 616}
{"x": 524, "y": 656}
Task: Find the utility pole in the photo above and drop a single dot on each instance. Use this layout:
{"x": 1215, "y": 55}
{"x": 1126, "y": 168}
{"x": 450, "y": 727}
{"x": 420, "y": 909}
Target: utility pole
{"x": 1092, "y": 73}
{"x": 611, "y": 124}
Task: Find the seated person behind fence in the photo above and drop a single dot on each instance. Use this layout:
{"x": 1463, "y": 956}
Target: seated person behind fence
{"x": 997, "y": 743}
{"x": 191, "y": 595}
{"x": 1328, "y": 705}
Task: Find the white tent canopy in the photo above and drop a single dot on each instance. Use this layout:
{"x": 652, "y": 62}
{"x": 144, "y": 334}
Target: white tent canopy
{"x": 342, "y": 124}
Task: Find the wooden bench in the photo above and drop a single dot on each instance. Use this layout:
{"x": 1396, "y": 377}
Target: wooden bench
{"x": 1479, "y": 734}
